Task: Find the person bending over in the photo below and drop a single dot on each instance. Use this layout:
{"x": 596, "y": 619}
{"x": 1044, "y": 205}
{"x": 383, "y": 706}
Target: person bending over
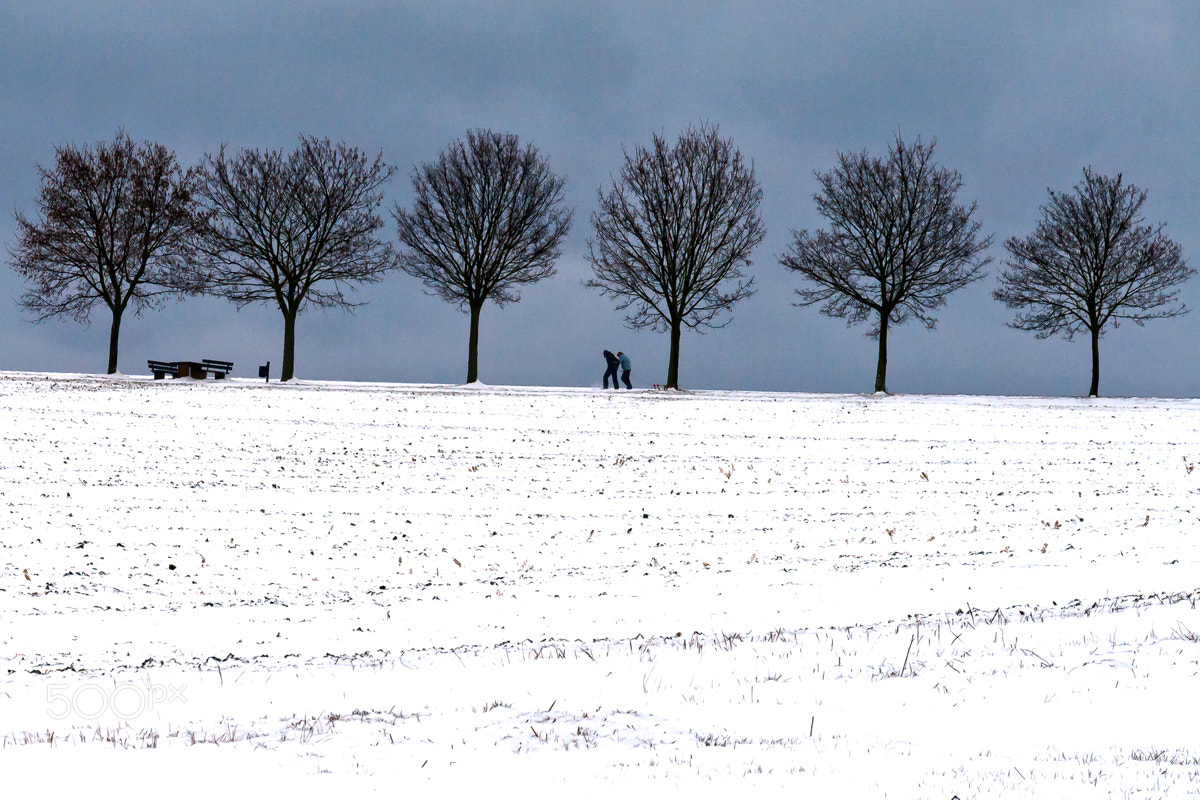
{"x": 626, "y": 366}
{"x": 613, "y": 363}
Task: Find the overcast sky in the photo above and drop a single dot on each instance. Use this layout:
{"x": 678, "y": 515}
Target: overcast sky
{"x": 1019, "y": 96}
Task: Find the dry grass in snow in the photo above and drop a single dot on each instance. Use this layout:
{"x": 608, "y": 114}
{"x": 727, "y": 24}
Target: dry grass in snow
{"x": 317, "y": 587}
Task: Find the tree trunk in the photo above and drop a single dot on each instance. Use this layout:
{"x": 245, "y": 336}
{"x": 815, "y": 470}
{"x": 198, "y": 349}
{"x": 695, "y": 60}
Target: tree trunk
{"x": 288, "y": 370}
{"x": 473, "y": 344}
{"x": 673, "y": 362}
{"x": 114, "y": 336}
{"x": 881, "y": 368}
{"x": 1094, "y": 390}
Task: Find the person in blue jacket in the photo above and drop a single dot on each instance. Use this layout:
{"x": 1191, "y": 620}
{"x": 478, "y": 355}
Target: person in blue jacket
{"x": 613, "y": 362}
{"x": 626, "y": 366}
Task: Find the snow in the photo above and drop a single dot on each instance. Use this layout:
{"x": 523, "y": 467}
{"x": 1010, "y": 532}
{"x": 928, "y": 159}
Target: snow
{"x": 231, "y": 586}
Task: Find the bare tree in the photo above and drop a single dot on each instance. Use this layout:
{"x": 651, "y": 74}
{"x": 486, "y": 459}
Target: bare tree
{"x": 1091, "y": 261}
{"x": 115, "y": 225}
{"x": 673, "y": 234}
{"x": 488, "y": 217}
{"x": 295, "y": 230}
{"x": 897, "y": 243}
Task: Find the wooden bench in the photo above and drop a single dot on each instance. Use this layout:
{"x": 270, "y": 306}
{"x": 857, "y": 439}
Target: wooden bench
{"x": 219, "y": 369}
{"x": 162, "y": 368}
{"x": 190, "y": 369}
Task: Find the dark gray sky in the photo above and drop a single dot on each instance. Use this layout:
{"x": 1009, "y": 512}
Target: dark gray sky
{"x": 1020, "y": 96}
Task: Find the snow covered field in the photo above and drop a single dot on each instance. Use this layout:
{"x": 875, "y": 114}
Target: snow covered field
{"x": 235, "y": 587}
